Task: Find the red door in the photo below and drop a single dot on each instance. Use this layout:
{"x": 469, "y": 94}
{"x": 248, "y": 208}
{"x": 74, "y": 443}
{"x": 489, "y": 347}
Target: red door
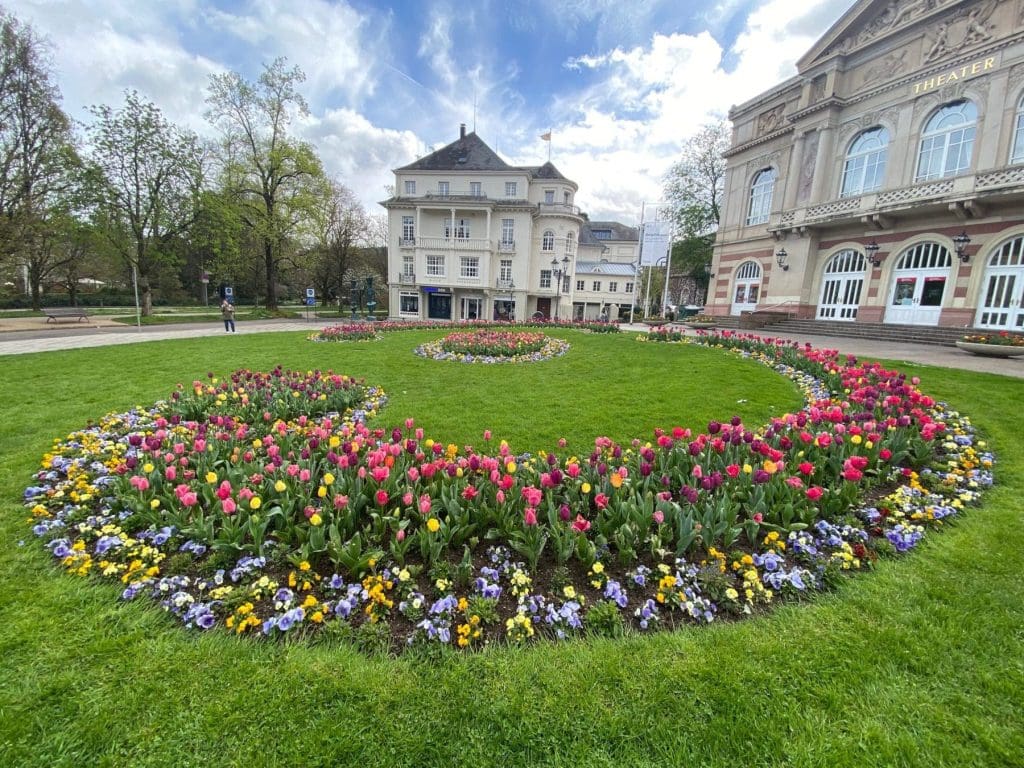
{"x": 544, "y": 307}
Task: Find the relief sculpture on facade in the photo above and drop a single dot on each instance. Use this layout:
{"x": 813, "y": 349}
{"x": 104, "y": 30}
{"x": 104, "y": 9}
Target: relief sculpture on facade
{"x": 963, "y": 30}
{"x": 807, "y": 164}
{"x": 897, "y": 13}
{"x": 770, "y": 120}
{"x": 891, "y": 65}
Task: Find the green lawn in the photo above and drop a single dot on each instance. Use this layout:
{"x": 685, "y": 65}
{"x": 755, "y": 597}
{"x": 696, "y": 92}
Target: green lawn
{"x": 919, "y": 663}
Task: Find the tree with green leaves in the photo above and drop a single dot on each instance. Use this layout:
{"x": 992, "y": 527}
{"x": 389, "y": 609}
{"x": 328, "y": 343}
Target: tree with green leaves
{"x": 341, "y": 226}
{"x": 277, "y": 179}
{"x": 39, "y": 164}
{"x": 152, "y": 174}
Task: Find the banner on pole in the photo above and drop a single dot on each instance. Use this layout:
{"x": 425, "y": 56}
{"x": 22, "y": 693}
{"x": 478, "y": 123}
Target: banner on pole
{"x": 655, "y": 241}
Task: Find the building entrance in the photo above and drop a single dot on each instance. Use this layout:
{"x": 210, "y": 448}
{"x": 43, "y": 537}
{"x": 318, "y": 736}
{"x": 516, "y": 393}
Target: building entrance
{"x": 919, "y": 285}
{"x": 841, "y": 286}
{"x": 747, "y": 288}
{"x": 1001, "y": 304}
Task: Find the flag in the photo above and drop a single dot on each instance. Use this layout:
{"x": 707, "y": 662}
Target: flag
{"x": 545, "y": 136}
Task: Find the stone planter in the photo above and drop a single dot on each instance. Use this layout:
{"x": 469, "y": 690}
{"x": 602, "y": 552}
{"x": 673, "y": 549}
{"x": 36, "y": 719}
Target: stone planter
{"x": 698, "y": 325}
{"x": 990, "y": 350}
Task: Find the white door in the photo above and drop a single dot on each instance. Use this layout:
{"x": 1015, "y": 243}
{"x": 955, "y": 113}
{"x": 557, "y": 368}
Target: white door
{"x": 472, "y": 308}
{"x": 1001, "y": 304}
{"x": 747, "y": 287}
{"x": 919, "y": 285}
{"x": 841, "y": 286}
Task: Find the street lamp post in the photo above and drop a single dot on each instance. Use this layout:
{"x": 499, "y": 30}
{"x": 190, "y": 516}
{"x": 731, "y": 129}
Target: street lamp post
{"x": 559, "y": 274}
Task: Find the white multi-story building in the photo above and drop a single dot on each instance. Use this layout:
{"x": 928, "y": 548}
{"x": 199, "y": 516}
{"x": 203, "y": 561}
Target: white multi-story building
{"x": 472, "y": 237}
{"x": 604, "y": 282}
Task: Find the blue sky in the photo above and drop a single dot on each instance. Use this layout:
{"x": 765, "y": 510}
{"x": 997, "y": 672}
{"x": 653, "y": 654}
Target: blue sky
{"x": 621, "y": 83}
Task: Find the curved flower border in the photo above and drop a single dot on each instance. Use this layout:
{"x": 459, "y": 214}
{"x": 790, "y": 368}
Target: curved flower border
{"x": 434, "y": 350}
{"x": 84, "y": 522}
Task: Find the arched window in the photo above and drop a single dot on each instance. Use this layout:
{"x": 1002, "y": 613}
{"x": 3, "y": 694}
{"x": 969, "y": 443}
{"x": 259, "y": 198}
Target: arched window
{"x": 947, "y": 141}
{"x": 761, "y": 196}
{"x": 570, "y": 243}
{"x": 865, "y": 162}
{"x": 841, "y": 286}
{"x": 547, "y": 243}
{"x": 1017, "y": 154}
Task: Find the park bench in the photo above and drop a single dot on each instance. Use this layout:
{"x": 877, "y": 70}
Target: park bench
{"x": 56, "y": 314}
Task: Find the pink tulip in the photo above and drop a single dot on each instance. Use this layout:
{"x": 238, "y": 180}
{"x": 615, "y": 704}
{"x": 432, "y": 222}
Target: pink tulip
{"x": 581, "y": 524}
{"x": 530, "y": 516}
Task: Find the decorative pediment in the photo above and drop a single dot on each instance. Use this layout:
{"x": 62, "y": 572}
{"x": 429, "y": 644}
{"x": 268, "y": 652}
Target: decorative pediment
{"x": 870, "y": 20}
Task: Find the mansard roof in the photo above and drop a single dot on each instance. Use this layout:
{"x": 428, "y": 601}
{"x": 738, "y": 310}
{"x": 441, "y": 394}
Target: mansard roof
{"x": 618, "y": 231}
{"x": 467, "y": 153}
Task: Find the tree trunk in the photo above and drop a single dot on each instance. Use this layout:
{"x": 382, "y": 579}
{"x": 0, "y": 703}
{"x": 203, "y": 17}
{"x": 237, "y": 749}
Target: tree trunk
{"x": 268, "y": 255}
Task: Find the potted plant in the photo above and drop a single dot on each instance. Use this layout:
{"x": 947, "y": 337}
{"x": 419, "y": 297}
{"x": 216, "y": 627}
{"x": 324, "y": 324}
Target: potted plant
{"x": 700, "y": 321}
{"x": 996, "y": 344}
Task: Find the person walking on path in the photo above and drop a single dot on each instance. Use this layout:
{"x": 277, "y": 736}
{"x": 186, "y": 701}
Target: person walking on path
{"x": 227, "y": 311}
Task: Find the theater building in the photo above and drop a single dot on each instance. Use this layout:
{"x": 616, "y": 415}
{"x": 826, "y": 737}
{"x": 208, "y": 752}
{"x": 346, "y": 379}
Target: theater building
{"x": 884, "y": 183}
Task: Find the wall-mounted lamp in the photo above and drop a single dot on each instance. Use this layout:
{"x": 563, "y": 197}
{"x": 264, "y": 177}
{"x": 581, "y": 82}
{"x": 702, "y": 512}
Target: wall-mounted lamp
{"x": 872, "y": 251}
{"x": 961, "y": 242}
{"x": 780, "y": 259}
{"x": 708, "y": 270}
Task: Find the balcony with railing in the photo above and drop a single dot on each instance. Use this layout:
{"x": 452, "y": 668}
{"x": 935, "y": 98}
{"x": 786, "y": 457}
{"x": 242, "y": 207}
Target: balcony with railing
{"x": 407, "y": 242}
{"x": 504, "y": 285}
{"x": 455, "y": 243}
{"x": 554, "y": 209}
{"x": 506, "y": 246}
{"x": 406, "y": 278}
{"x": 961, "y": 193}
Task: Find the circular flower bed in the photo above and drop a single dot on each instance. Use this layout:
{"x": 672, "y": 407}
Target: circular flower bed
{"x": 348, "y": 332}
{"x": 264, "y": 504}
{"x": 494, "y": 346}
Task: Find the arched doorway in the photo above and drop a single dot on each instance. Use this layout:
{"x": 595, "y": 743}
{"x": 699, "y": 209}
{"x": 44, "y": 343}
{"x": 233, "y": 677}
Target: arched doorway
{"x": 841, "y": 285}
{"x": 1001, "y": 304}
{"x": 747, "y": 288}
{"x": 919, "y": 285}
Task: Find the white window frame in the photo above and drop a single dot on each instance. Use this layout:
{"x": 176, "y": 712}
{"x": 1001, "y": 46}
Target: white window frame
{"x": 570, "y": 243}
{"x": 596, "y": 287}
{"x": 545, "y": 278}
{"x": 412, "y": 298}
{"x": 511, "y": 189}
{"x": 547, "y": 242}
{"x": 408, "y": 265}
{"x": 505, "y": 270}
{"x": 613, "y": 287}
{"x": 1017, "y": 152}
{"x": 864, "y": 169}
{"x": 408, "y": 229}
{"x": 435, "y": 265}
{"x": 761, "y": 191}
{"x": 508, "y": 231}
{"x": 460, "y": 231}
{"x": 443, "y": 188}
{"x": 410, "y": 187}
{"x": 581, "y": 285}
{"x": 469, "y": 267}
{"x": 947, "y": 141}
{"x": 549, "y": 196}
{"x": 629, "y": 287}
{"x": 476, "y": 189}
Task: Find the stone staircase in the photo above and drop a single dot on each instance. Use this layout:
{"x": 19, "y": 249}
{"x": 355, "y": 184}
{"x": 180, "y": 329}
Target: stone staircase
{"x": 906, "y": 334}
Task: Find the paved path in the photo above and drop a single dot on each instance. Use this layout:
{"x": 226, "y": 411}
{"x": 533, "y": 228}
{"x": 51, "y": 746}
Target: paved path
{"x": 24, "y": 335}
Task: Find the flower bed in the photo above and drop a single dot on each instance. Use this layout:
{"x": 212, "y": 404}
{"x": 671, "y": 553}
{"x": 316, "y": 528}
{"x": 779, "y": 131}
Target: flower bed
{"x": 265, "y": 504}
{"x": 387, "y": 326}
{"x": 998, "y": 338}
{"x": 347, "y": 332}
{"x": 494, "y": 346}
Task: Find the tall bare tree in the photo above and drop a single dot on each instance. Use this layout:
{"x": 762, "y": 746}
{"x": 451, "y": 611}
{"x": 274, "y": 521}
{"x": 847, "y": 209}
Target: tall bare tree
{"x": 341, "y": 227}
{"x": 153, "y": 173}
{"x": 277, "y": 179}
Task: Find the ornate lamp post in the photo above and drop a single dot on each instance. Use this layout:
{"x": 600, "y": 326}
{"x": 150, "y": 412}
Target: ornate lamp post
{"x": 559, "y": 273}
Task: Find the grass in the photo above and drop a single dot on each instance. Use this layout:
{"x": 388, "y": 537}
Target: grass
{"x": 919, "y": 663}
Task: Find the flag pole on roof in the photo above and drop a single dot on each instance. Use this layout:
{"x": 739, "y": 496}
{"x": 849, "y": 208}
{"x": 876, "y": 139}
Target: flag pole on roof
{"x": 547, "y": 137}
